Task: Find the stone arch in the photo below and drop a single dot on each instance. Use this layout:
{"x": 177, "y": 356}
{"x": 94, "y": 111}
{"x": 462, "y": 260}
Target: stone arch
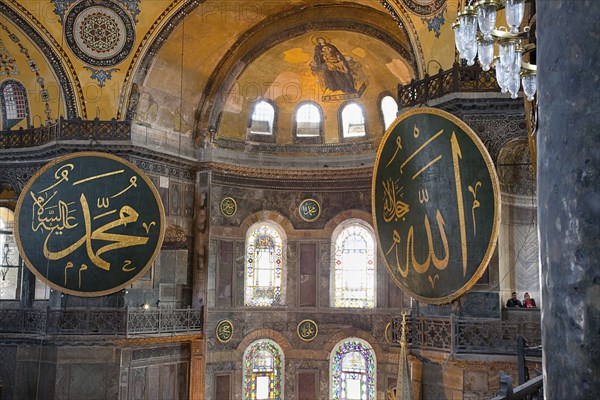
{"x": 353, "y": 332}
{"x": 340, "y": 218}
{"x": 263, "y": 334}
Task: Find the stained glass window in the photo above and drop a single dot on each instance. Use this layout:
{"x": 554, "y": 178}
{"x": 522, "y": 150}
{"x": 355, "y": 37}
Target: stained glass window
{"x": 353, "y": 370}
{"x": 264, "y": 259}
{"x": 263, "y": 371}
{"x": 354, "y": 267}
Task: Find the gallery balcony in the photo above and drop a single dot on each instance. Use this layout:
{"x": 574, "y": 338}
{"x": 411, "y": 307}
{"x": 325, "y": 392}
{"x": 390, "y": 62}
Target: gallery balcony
{"x": 92, "y": 134}
{"x": 123, "y": 322}
{"x": 458, "y": 79}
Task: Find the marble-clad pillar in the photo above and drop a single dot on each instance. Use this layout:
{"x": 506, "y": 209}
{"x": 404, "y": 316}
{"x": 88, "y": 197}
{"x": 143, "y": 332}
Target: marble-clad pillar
{"x": 568, "y": 50}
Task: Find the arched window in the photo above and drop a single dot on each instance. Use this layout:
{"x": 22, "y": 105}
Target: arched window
{"x": 15, "y": 106}
{"x": 354, "y": 266}
{"x": 353, "y": 370}
{"x": 10, "y": 265}
{"x": 263, "y": 118}
{"x": 353, "y": 121}
{"x": 264, "y": 262}
{"x": 308, "y": 120}
{"x": 389, "y": 109}
{"x": 263, "y": 371}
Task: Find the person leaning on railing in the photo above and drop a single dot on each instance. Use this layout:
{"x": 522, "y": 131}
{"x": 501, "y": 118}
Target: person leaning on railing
{"x": 513, "y": 301}
{"x": 528, "y": 302}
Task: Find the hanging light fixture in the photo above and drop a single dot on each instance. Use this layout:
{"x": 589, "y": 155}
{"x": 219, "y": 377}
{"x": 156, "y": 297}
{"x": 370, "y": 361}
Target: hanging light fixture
{"x": 475, "y": 35}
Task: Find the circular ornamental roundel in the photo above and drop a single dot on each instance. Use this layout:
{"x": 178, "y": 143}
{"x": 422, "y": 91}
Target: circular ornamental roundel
{"x": 99, "y": 34}
{"x": 436, "y": 205}
{"x": 89, "y": 224}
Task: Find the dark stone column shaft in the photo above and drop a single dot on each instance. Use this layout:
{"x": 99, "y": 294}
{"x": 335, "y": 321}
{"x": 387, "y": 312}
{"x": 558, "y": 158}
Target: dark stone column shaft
{"x": 568, "y": 60}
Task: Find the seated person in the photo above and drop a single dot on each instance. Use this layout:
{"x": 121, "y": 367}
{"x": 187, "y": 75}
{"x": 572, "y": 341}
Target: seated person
{"x": 528, "y": 302}
{"x": 513, "y": 301}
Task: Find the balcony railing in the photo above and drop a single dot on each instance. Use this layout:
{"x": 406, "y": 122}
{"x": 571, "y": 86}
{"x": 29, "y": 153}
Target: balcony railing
{"x": 457, "y": 335}
{"x": 116, "y": 322}
{"x": 456, "y": 79}
{"x": 73, "y": 129}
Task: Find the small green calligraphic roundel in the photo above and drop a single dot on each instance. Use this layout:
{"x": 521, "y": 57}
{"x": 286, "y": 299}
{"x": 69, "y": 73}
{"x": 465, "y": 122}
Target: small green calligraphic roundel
{"x": 307, "y": 330}
{"x": 224, "y": 331}
{"x": 310, "y": 210}
{"x": 435, "y": 197}
{"x": 228, "y": 206}
{"x": 89, "y": 224}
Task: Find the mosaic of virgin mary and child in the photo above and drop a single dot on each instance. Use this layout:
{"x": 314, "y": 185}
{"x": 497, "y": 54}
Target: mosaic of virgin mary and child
{"x": 336, "y": 72}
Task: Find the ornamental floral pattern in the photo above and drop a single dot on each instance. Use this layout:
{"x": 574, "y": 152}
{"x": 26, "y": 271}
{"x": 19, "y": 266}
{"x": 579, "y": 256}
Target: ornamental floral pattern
{"x": 353, "y": 370}
{"x": 264, "y": 261}
{"x": 263, "y": 371}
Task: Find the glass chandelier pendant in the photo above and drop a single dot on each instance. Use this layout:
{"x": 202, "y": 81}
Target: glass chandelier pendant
{"x": 468, "y": 32}
{"x": 529, "y": 80}
{"x": 515, "y": 10}
{"x": 485, "y": 50}
{"x": 501, "y": 77}
{"x": 486, "y": 17}
{"x": 513, "y": 85}
{"x": 476, "y": 36}
{"x": 458, "y": 42}
{"x": 507, "y": 54}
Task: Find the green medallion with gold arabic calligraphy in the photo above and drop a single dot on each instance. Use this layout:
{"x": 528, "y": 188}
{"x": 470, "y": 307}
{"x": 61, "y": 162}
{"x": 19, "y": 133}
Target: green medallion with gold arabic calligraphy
{"x": 89, "y": 224}
{"x": 435, "y": 197}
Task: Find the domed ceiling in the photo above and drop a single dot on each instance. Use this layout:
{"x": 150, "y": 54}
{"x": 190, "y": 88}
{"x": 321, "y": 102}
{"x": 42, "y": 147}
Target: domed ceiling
{"x": 197, "y": 67}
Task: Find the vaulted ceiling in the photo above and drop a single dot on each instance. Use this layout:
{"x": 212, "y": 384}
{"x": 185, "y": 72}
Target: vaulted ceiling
{"x": 195, "y": 66}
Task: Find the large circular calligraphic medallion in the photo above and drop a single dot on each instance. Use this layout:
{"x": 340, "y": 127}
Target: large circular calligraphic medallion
{"x": 89, "y": 224}
{"x": 435, "y": 197}
{"x": 99, "y": 34}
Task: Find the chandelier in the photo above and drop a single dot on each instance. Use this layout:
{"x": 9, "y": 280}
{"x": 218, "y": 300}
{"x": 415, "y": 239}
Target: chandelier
{"x": 475, "y": 35}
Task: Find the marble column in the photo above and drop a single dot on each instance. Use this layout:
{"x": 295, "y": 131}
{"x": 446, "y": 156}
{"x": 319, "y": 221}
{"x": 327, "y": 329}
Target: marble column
{"x": 568, "y": 60}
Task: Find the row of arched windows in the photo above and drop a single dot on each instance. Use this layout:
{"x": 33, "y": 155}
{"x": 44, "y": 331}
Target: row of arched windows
{"x": 308, "y": 118}
{"x": 353, "y": 265}
{"x": 352, "y": 370}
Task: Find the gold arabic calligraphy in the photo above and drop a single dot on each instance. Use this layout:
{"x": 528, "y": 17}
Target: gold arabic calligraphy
{"x": 53, "y": 216}
{"x": 396, "y": 208}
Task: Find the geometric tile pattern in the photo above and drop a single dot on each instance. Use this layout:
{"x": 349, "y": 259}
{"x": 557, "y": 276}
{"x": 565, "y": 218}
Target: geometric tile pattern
{"x": 99, "y": 34}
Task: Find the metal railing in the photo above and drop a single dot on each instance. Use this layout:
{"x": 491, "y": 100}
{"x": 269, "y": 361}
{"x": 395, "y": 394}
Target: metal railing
{"x": 456, "y": 79}
{"x": 530, "y": 390}
{"x": 458, "y": 335}
{"x": 119, "y": 322}
{"x": 72, "y": 129}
